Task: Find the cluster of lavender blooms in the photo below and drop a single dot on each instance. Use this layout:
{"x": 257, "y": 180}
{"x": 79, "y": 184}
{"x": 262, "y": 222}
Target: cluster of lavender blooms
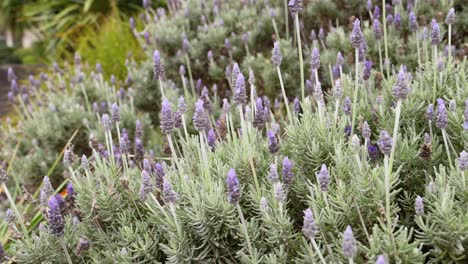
{"x": 228, "y": 176}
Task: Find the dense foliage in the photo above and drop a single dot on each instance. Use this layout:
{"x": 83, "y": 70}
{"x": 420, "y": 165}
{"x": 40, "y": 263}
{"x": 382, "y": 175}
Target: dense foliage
{"x": 221, "y": 150}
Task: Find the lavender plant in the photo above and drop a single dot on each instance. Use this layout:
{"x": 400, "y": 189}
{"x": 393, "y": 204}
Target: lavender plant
{"x": 257, "y": 183}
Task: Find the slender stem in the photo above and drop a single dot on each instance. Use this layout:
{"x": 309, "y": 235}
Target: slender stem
{"x": 380, "y": 56}
{"x": 244, "y": 227}
{"x": 184, "y": 85}
{"x": 419, "y": 52}
{"x": 449, "y": 42}
{"x": 275, "y": 28}
{"x": 385, "y": 36}
{"x": 15, "y": 209}
{"x": 299, "y": 47}
{"x": 355, "y": 90}
{"x": 337, "y": 105}
{"x": 254, "y": 172}
{"x": 65, "y": 250}
{"x": 351, "y": 261}
{"x": 286, "y": 22}
{"x": 189, "y": 69}
{"x": 444, "y": 135}
{"x": 174, "y": 154}
{"x": 434, "y": 62}
{"x": 387, "y": 198}
{"x": 283, "y": 91}
{"x": 395, "y": 132}
{"x": 83, "y": 90}
{"x": 317, "y": 250}
{"x": 185, "y": 128}
{"x": 161, "y": 88}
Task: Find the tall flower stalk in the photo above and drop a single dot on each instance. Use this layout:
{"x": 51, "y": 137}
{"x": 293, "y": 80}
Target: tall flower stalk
{"x": 357, "y": 39}
{"x": 276, "y": 59}
{"x": 295, "y": 7}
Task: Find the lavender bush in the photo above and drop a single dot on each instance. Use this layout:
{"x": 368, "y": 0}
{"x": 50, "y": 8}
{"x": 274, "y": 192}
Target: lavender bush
{"x": 362, "y": 170}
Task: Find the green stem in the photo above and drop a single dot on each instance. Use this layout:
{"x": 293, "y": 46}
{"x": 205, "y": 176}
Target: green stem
{"x": 444, "y": 135}
{"x": 161, "y": 88}
{"x": 189, "y": 69}
{"x": 355, "y": 90}
{"x": 65, "y": 250}
{"x": 15, "y": 209}
{"x": 449, "y": 42}
{"x": 419, "y": 52}
{"x": 283, "y": 91}
{"x": 275, "y": 28}
{"x": 299, "y": 47}
{"x": 385, "y": 37}
{"x": 380, "y": 57}
{"x": 395, "y": 132}
{"x": 244, "y": 227}
{"x": 317, "y": 250}
{"x": 286, "y": 22}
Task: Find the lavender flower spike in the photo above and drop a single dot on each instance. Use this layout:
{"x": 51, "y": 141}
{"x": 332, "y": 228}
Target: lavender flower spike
{"x": 401, "y": 89}
{"x": 240, "y": 96}
{"x": 366, "y": 131}
{"x": 367, "y": 70}
{"x": 167, "y": 118}
{"x": 158, "y": 67}
{"x": 280, "y": 196}
{"x": 380, "y": 260}
{"x": 413, "y": 22}
{"x": 295, "y": 6}
{"x": 377, "y": 29}
{"x": 276, "y": 54}
{"x": 115, "y": 112}
{"x": 385, "y": 143}
{"x": 46, "y": 191}
{"x": 288, "y": 175}
{"x": 272, "y": 142}
{"x": 324, "y": 178}
{"x": 169, "y": 196}
{"x": 435, "y": 32}
{"x": 441, "y": 116}
{"x": 200, "y": 120}
{"x": 349, "y": 243}
{"x": 273, "y": 175}
{"x": 356, "y": 37}
{"x": 315, "y": 59}
{"x": 146, "y": 187}
{"x": 106, "y": 122}
{"x": 309, "y": 228}
{"x": 430, "y": 112}
{"x": 419, "y": 205}
{"x": 233, "y": 187}
{"x": 463, "y": 161}
{"x": 56, "y": 223}
{"x": 450, "y": 17}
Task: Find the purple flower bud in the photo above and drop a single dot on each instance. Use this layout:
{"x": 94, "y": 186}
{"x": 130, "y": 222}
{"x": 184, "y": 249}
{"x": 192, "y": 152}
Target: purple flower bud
{"x": 397, "y": 21}
{"x": 146, "y": 4}
{"x": 226, "y": 106}
{"x": 380, "y": 260}
{"x": 234, "y": 74}
{"x": 276, "y": 54}
{"x": 441, "y": 115}
{"x": 70, "y": 192}
{"x": 356, "y": 36}
{"x": 430, "y": 112}
{"x": 185, "y": 45}
{"x": 315, "y": 59}
{"x": 309, "y": 228}
{"x": 227, "y": 44}
{"x": 339, "y": 59}
{"x": 233, "y": 187}
{"x": 337, "y": 90}
{"x": 245, "y": 38}
{"x": 452, "y": 105}
{"x": 297, "y": 105}
{"x": 240, "y": 96}
{"x": 273, "y": 174}
{"x": 158, "y": 67}
{"x": 211, "y": 137}
{"x": 419, "y": 205}
{"x": 424, "y": 33}
{"x": 139, "y": 150}
{"x": 413, "y": 22}
{"x": 54, "y": 217}
{"x": 11, "y": 74}
{"x": 369, "y": 5}
{"x": 377, "y": 30}
{"x": 336, "y": 71}
{"x": 450, "y": 17}
{"x": 312, "y": 35}
{"x": 106, "y": 122}
{"x": 347, "y": 106}
{"x": 264, "y": 204}
{"x": 138, "y": 129}
{"x": 169, "y": 196}
{"x": 167, "y": 119}
{"x": 280, "y": 196}
{"x": 321, "y": 34}
{"x": 200, "y": 119}
{"x": 377, "y": 12}
{"x": 463, "y": 161}
{"x": 385, "y": 143}
{"x": 295, "y": 6}
{"x": 177, "y": 119}
{"x": 324, "y": 178}
{"x": 389, "y": 19}
{"x": 272, "y": 142}
{"x": 427, "y": 138}
{"x": 146, "y": 187}
{"x": 373, "y": 152}
{"x": 366, "y": 131}
{"x": 84, "y": 162}
{"x": 367, "y": 70}
{"x": 160, "y": 174}
{"x": 349, "y": 243}
{"x": 435, "y": 32}
{"x": 115, "y": 113}
{"x": 259, "y": 120}
{"x": 288, "y": 175}
{"x": 14, "y": 86}
{"x": 401, "y": 89}
{"x": 210, "y": 55}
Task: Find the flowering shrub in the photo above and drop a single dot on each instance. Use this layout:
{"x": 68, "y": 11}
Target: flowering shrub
{"x": 367, "y": 163}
